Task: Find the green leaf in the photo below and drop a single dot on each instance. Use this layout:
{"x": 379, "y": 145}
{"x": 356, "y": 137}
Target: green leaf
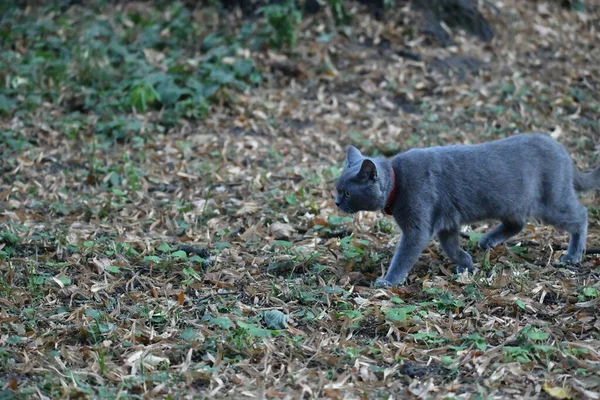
{"x": 65, "y": 280}
{"x": 520, "y": 303}
{"x": 169, "y": 93}
{"x": 519, "y": 250}
{"x": 6, "y": 104}
{"x": 165, "y": 248}
{"x": 119, "y": 192}
{"x": 283, "y": 243}
{"x": 243, "y": 67}
{"x": 189, "y": 334}
{"x": 155, "y": 259}
{"x": 9, "y": 238}
{"x": 142, "y": 95}
{"x": 399, "y": 314}
{"x": 474, "y": 237}
{"x": 338, "y": 220}
{"x": 38, "y": 280}
{"x": 90, "y": 312}
{"x": 545, "y": 348}
{"x": 446, "y": 360}
{"x": 14, "y": 340}
{"x": 211, "y": 40}
{"x": 333, "y": 289}
{"x": 253, "y": 330}
{"x": 590, "y": 292}
{"x": 222, "y": 76}
{"x": 222, "y": 322}
{"x": 291, "y": 199}
{"x": 458, "y": 303}
{"x": 180, "y": 254}
{"x": 537, "y": 335}
{"x": 106, "y": 327}
{"x": 326, "y": 37}
{"x": 114, "y": 269}
{"x": 197, "y": 259}
{"x": 478, "y": 340}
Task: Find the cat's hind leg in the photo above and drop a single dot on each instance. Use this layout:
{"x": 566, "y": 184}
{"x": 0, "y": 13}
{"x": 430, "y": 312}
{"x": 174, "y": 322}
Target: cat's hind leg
{"x": 573, "y": 219}
{"x": 449, "y": 240}
{"x": 504, "y": 231}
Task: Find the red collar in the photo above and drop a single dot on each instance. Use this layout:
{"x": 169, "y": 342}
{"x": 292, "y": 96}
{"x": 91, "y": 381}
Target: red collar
{"x": 390, "y": 201}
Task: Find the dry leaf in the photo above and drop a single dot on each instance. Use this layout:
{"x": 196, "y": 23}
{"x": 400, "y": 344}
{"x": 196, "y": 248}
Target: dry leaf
{"x": 247, "y": 208}
{"x": 154, "y": 57}
{"x": 557, "y": 392}
{"x": 100, "y": 264}
{"x": 281, "y": 231}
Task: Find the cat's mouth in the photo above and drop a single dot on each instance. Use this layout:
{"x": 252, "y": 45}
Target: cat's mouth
{"x": 347, "y": 209}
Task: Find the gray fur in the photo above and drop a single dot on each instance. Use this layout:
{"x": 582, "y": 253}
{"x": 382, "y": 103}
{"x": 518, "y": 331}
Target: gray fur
{"x": 438, "y": 189}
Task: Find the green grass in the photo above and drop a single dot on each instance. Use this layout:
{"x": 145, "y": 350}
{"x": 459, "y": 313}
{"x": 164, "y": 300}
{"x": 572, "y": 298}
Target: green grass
{"x": 131, "y": 60}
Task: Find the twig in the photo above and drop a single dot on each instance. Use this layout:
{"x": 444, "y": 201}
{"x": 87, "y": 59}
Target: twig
{"x": 290, "y": 178}
{"x": 212, "y": 295}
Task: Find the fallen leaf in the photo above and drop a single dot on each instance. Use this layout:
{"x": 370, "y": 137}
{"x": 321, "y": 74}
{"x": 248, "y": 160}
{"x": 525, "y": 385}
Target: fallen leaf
{"x": 281, "y": 231}
{"x": 100, "y": 263}
{"x": 557, "y": 392}
{"x": 248, "y": 208}
{"x": 154, "y": 57}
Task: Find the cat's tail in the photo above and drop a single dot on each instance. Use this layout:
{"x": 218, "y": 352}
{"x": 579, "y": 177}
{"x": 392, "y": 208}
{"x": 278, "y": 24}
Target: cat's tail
{"x": 588, "y": 180}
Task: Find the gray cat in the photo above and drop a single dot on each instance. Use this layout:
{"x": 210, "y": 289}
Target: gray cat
{"x": 434, "y": 191}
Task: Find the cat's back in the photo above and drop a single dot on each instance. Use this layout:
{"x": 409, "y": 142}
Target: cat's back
{"x": 487, "y": 180}
{"x": 536, "y": 145}
{"x": 516, "y": 163}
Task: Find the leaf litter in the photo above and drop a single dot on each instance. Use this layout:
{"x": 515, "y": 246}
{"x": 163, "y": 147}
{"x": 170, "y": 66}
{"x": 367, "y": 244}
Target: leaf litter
{"x": 209, "y": 260}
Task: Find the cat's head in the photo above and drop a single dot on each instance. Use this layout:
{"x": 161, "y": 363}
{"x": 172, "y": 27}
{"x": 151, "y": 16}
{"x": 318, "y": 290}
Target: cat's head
{"x": 360, "y": 187}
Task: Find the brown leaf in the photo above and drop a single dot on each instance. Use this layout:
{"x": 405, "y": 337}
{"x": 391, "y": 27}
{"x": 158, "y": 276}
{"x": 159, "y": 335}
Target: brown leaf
{"x": 247, "y": 208}
{"x": 154, "y": 57}
{"x": 281, "y": 231}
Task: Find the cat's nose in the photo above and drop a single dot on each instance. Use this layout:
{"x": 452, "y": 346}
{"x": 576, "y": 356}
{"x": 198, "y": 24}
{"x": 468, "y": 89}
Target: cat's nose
{"x": 337, "y": 202}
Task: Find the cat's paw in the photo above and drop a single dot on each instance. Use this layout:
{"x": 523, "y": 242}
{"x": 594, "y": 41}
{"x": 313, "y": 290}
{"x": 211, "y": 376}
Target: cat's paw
{"x": 465, "y": 267}
{"x": 486, "y": 243}
{"x": 382, "y": 283}
{"x": 569, "y": 259}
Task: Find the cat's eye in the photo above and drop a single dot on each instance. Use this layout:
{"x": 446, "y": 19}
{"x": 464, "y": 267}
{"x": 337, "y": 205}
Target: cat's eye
{"x": 346, "y": 193}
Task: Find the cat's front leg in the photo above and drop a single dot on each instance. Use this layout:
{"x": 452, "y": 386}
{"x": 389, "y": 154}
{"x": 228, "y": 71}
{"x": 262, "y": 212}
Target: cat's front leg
{"x": 412, "y": 243}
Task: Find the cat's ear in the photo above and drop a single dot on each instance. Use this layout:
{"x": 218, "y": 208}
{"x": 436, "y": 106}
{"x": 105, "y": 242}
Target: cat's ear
{"x": 368, "y": 170}
{"x": 353, "y": 154}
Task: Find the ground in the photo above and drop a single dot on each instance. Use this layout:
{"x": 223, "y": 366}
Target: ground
{"x": 205, "y": 258}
